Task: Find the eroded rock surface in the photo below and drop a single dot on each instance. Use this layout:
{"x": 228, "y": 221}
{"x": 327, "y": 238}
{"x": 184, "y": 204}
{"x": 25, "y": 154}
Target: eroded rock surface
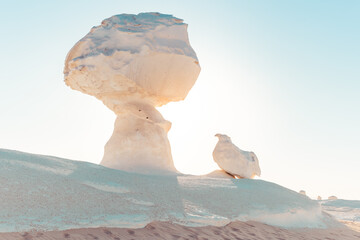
{"x": 134, "y": 63}
{"x": 233, "y": 160}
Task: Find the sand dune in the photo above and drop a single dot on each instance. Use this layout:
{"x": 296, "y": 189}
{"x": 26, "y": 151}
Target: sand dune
{"x": 166, "y": 230}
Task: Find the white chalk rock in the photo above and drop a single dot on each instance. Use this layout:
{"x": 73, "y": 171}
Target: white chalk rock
{"x": 134, "y": 63}
{"x": 146, "y": 56}
{"x": 139, "y": 142}
{"x": 235, "y": 161}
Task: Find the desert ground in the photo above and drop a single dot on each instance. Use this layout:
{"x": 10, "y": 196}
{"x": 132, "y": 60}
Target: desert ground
{"x": 165, "y": 230}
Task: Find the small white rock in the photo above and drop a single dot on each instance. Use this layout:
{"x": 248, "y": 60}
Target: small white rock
{"x": 235, "y": 161}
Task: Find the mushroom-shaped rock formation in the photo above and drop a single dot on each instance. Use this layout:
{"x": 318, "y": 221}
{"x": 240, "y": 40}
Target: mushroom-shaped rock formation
{"x": 235, "y": 161}
{"x": 134, "y": 63}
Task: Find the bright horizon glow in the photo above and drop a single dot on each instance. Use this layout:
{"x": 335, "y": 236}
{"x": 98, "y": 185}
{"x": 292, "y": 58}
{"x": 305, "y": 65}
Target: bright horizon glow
{"x": 280, "y": 78}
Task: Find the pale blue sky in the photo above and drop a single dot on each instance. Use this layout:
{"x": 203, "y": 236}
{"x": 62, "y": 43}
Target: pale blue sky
{"x": 282, "y": 78}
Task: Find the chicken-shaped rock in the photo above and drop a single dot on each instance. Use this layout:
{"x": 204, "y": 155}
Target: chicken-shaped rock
{"x": 234, "y": 161}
